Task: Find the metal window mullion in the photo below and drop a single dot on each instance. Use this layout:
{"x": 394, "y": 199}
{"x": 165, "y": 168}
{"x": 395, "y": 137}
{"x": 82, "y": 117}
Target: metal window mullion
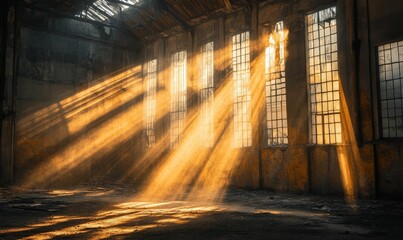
{"x": 321, "y": 82}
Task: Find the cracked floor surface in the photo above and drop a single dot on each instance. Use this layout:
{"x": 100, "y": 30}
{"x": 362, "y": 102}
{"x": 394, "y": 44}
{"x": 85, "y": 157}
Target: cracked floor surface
{"x": 111, "y": 212}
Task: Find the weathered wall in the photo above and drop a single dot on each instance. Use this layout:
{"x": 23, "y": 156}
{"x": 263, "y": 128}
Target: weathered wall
{"x": 347, "y": 168}
{"x": 219, "y": 30}
{"x": 300, "y": 166}
{"x": 384, "y": 20}
{"x": 286, "y": 168}
{"x": 7, "y": 76}
{"x": 74, "y": 115}
{"x": 375, "y": 164}
{"x": 76, "y": 81}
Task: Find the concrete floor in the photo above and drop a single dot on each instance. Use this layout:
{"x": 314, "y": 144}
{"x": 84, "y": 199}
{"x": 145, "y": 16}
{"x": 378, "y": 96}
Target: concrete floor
{"x": 110, "y": 212}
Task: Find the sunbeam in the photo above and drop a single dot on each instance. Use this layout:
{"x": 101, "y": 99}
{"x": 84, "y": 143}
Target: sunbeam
{"x": 96, "y": 121}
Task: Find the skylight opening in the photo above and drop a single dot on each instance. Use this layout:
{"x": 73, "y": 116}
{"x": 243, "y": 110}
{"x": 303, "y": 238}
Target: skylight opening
{"x": 102, "y": 10}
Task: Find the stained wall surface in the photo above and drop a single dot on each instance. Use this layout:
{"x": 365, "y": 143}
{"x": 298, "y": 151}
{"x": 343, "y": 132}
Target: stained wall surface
{"x": 76, "y": 81}
{"x": 361, "y": 165}
{"x": 382, "y": 26}
{"x": 81, "y": 109}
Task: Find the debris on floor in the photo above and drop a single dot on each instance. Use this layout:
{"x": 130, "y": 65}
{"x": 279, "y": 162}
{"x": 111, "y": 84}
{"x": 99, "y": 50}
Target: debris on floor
{"x": 100, "y": 210}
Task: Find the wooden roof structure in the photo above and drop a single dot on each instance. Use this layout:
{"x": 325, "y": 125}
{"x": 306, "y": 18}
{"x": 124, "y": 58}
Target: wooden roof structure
{"x": 145, "y": 19}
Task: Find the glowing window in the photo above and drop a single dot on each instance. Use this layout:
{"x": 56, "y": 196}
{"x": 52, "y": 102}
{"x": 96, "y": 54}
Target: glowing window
{"x": 150, "y": 93}
{"x": 242, "y": 95}
{"x": 323, "y": 83}
{"x": 178, "y": 97}
{"x": 276, "y": 107}
{"x": 390, "y": 60}
{"x": 207, "y": 93}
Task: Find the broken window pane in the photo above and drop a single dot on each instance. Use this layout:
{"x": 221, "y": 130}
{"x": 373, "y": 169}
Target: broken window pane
{"x": 276, "y": 118}
{"x": 323, "y": 77}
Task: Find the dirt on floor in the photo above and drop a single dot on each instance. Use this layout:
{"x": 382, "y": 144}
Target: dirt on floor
{"x": 105, "y": 211}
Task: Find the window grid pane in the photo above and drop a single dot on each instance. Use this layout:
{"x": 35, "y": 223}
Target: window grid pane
{"x": 276, "y": 107}
{"x": 207, "y": 93}
{"x": 150, "y": 87}
{"x": 178, "y": 105}
{"x": 323, "y": 86}
{"x": 390, "y": 63}
{"x": 242, "y": 95}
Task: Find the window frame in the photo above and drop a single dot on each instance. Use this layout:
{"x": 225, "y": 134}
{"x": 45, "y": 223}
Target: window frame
{"x": 178, "y": 95}
{"x": 208, "y": 137}
{"x": 378, "y": 88}
{"x": 313, "y": 137}
{"x": 272, "y": 30}
{"x": 247, "y": 96}
{"x": 146, "y": 73}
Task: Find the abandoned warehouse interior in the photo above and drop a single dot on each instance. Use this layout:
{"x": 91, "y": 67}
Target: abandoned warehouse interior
{"x": 196, "y": 100}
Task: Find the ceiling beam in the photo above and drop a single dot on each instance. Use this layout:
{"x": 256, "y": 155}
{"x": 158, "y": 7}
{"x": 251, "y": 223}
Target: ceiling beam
{"x": 54, "y": 13}
{"x": 120, "y": 2}
{"x": 135, "y": 46}
{"x": 140, "y": 21}
{"x": 167, "y": 8}
{"x": 102, "y": 12}
{"x": 31, "y": 1}
{"x": 228, "y": 4}
{"x": 91, "y": 14}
